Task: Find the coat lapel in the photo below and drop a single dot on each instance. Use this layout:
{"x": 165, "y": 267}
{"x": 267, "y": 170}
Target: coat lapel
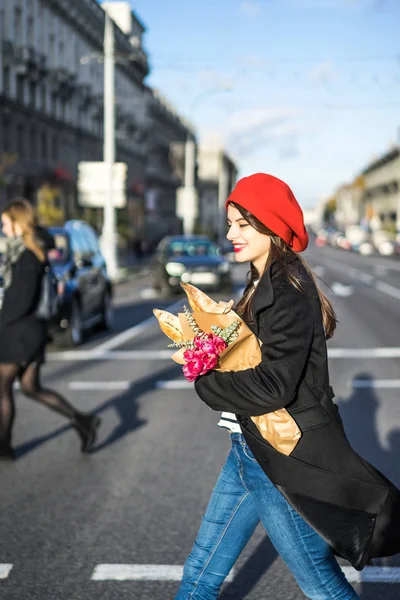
{"x": 264, "y": 295}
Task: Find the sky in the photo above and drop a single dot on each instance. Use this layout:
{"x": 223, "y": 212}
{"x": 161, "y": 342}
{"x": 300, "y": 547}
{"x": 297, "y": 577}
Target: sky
{"x": 307, "y": 90}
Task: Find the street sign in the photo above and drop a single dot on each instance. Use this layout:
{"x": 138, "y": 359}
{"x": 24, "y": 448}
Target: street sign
{"x": 92, "y": 184}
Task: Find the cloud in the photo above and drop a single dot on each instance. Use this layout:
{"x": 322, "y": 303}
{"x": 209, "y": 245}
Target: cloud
{"x": 250, "y": 8}
{"x": 247, "y": 131}
{"x": 323, "y": 73}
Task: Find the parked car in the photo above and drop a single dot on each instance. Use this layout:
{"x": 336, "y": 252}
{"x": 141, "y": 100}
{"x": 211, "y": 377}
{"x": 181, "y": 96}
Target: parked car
{"x": 191, "y": 259}
{"x": 84, "y": 289}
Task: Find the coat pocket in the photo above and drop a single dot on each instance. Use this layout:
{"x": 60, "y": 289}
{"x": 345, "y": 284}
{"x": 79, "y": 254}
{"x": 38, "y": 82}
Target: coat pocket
{"x": 310, "y": 417}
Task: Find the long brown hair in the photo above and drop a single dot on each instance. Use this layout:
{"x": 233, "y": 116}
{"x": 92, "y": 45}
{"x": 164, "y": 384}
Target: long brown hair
{"x": 279, "y": 252}
{"x": 22, "y": 213}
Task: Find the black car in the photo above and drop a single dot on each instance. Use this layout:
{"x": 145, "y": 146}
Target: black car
{"x": 84, "y": 289}
{"x": 191, "y": 259}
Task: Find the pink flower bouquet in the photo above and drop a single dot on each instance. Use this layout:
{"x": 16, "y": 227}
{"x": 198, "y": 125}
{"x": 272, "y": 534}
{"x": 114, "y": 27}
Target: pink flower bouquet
{"x": 213, "y": 336}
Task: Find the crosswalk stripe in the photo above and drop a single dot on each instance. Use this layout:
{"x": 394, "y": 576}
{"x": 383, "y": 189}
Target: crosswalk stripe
{"x": 375, "y": 383}
{"x": 139, "y": 355}
{"x": 175, "y": 384}
{"x": 5, "y": 570}
{"x": 124, "y": 572}
{"x": 99, "y": 385}
{"x": 363, "y": 353}
{"x": 372, "y": 575}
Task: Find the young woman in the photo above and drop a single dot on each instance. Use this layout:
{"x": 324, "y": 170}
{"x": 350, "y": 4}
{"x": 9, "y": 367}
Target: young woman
{"x": 23, "y": 337}
{"x": 322, "y": 500}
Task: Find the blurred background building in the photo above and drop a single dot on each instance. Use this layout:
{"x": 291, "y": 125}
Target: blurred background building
{"x": 51, "y": 118}
{"x": 217, "y": 174}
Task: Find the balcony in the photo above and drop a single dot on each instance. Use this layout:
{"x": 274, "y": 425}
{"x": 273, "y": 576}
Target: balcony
{"x": 63, "y": 82}
{"x": 85, "y": 95}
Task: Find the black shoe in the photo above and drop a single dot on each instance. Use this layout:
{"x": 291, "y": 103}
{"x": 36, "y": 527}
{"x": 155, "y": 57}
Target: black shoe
{"x": 6, "y": 451}
{"x": 86, "y": 426}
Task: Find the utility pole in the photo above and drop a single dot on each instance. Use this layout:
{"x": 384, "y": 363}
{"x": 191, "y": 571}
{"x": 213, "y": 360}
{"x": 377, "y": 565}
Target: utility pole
{"x": 108, "y": 234}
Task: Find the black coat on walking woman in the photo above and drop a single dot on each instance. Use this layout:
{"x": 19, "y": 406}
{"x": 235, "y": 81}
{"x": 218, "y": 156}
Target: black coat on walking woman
{"x": 346, "y": 500}
{"x": 23, "y": 337}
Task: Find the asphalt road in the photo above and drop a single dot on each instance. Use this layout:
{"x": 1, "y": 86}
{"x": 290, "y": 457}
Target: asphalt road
{"x": 138, "y": 499}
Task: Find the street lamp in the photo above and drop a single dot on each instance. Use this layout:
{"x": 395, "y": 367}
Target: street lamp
{"x": 108, "y": 234}
{"x": 108, "y": 238}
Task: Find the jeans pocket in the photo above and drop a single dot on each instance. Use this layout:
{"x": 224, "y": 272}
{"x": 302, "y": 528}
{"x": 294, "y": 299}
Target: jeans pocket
{"x": 248, "y": 453}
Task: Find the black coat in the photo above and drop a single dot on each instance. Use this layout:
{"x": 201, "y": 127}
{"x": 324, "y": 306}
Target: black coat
{"x": 23, "y": 337}
{"x": 346, "y": 500}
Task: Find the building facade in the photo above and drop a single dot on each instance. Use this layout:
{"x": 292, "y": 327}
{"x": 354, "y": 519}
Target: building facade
{"x": 381, "y": 196}
{"x": 51, "y": 98}
{"x": 217, "y": 175}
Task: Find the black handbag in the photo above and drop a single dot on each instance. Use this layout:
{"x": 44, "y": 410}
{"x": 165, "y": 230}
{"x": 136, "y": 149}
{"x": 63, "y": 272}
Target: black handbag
{"x": 47, "y": 307}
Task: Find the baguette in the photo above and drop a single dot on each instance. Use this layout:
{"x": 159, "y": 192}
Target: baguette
{"x": 169, "y": 324}
{"x": 200, "y": 302}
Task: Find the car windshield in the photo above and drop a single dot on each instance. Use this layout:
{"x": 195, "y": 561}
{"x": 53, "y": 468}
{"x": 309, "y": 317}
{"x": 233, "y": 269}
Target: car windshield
{"x": 193, "y": 248}
{"x": 59, "y": 254}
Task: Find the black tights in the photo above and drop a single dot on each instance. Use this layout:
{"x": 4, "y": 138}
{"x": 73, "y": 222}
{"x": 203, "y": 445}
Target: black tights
{"x": 29, "y": 378}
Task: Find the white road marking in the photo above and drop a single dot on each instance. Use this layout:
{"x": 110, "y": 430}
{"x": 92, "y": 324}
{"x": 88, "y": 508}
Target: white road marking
{"x": 183, "y": 384}
{"x": 137, "y": 355}
{"x": 99, "y": 385}
{"x": 176, "y": 384}
{"x": 373, "y": 575}
{"x": 132, "y": 332}
{"x": 140, "y": 573}
{"x": 342, "y": 290}
{"x": 375, "y": 383}
{"x": 390, "y": 290}
{"x": 363, "y": 353}
{"x": 72, "y": 355}
{"x": 368, "y": 279}
{"x": 148, "y": 293}
{"x": 5, "y": 570}
{"x": 381, "y": 270}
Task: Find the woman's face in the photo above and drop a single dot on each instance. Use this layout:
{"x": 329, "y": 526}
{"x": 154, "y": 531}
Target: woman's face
{"x": 249, "y": 245}
{"x": 9, "y": 229}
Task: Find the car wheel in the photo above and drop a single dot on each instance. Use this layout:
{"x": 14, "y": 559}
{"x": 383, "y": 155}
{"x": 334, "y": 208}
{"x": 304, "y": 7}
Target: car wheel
{"x": 75, "y": 329}
{"x": 107, "y": 313}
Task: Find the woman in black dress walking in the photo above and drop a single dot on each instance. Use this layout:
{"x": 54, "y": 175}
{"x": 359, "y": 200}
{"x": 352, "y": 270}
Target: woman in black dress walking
{"x": 23, "y": 336}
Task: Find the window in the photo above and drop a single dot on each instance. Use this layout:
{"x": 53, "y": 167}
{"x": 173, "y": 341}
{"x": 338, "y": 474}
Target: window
{"x": 17, "y": 24}
{"x": 79, "y": 244}
{"x": 6, "y": 135}
{"x": 54, "y": 104}
{"x": 32, "y": 143}
{"x": 54, "y": 149}
{"x": 20, "y": 88}
{"x": 30, "y": 31}
{"x": 43, "y": 146}
{"x": 180, "y": 248}
{"x": 59, "y": 255}
{"x": 51, "y": 50}
{"x": 6, "y": 80}
{"x": 43, "y": 98}
{"x": 32, "y": 94}
{"x": 20, "y": 140}
{"x": 92, "y": 240}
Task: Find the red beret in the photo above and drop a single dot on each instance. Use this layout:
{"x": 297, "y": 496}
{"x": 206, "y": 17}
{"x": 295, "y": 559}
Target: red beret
{"x": 273, "y": 203}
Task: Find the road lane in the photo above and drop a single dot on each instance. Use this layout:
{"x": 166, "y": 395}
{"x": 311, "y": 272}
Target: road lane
{"x": 139, "y": 498}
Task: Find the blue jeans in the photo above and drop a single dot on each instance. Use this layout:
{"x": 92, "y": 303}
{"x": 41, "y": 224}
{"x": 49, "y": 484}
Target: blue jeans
{"x": 242, "y": 497}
